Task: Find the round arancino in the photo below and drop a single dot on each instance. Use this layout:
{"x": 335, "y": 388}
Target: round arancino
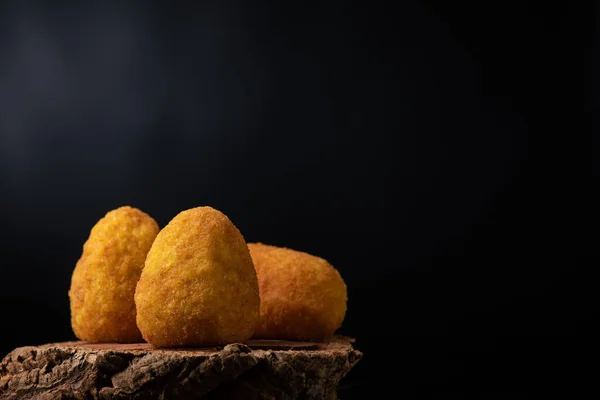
{"x": 198, "y": 287}
{"x": 104, "y": 280}
{"x": 302, "y": 296}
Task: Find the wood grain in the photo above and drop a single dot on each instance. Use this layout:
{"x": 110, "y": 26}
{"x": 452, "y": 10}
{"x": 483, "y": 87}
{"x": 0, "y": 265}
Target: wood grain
{"x": 256, "y": 369}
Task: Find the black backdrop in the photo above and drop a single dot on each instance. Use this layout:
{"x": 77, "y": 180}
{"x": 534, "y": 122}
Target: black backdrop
{"x": 396, "y": 142}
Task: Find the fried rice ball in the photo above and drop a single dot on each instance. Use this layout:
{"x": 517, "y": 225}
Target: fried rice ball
{"x": 198, "y": 287}
{"x": 302, "y": 297}
{"x": 104, "y": 280}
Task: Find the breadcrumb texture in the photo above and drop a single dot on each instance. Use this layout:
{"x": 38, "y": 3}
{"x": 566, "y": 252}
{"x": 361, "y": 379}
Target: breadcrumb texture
{"x": 303, "y": 297}
{"x": 198, "y": 287}
{"x": 104, "y": 280}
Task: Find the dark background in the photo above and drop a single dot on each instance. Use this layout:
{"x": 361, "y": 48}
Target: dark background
{"x": 398, "y": 141}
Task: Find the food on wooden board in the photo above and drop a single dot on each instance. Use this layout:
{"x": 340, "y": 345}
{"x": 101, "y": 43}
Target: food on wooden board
{"x": 105, "y": 277}
{"x": 198, "y": 286}
{"x": 302, "y": 296}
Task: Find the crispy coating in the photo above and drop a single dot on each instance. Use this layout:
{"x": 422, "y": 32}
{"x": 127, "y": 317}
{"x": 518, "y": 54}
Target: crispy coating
{"x": 104, "y": 280}
{"x": 302, "y": 297}
{"x": 198, "y": 287}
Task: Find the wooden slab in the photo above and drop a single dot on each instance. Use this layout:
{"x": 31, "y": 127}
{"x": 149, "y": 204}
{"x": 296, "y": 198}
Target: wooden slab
{"x": 256, "y": 369}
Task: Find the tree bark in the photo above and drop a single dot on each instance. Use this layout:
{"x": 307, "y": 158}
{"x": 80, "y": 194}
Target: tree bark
{"x": 257, "y": 369}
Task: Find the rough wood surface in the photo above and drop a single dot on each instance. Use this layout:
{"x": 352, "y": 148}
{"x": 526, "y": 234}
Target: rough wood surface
{"x": 257, "y": 369}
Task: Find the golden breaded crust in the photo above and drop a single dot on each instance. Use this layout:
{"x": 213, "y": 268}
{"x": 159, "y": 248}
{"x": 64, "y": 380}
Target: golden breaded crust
{"x": 302, "y": 296}
{"x": 104, "y": 280}
{"x": 198, "y": 287}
